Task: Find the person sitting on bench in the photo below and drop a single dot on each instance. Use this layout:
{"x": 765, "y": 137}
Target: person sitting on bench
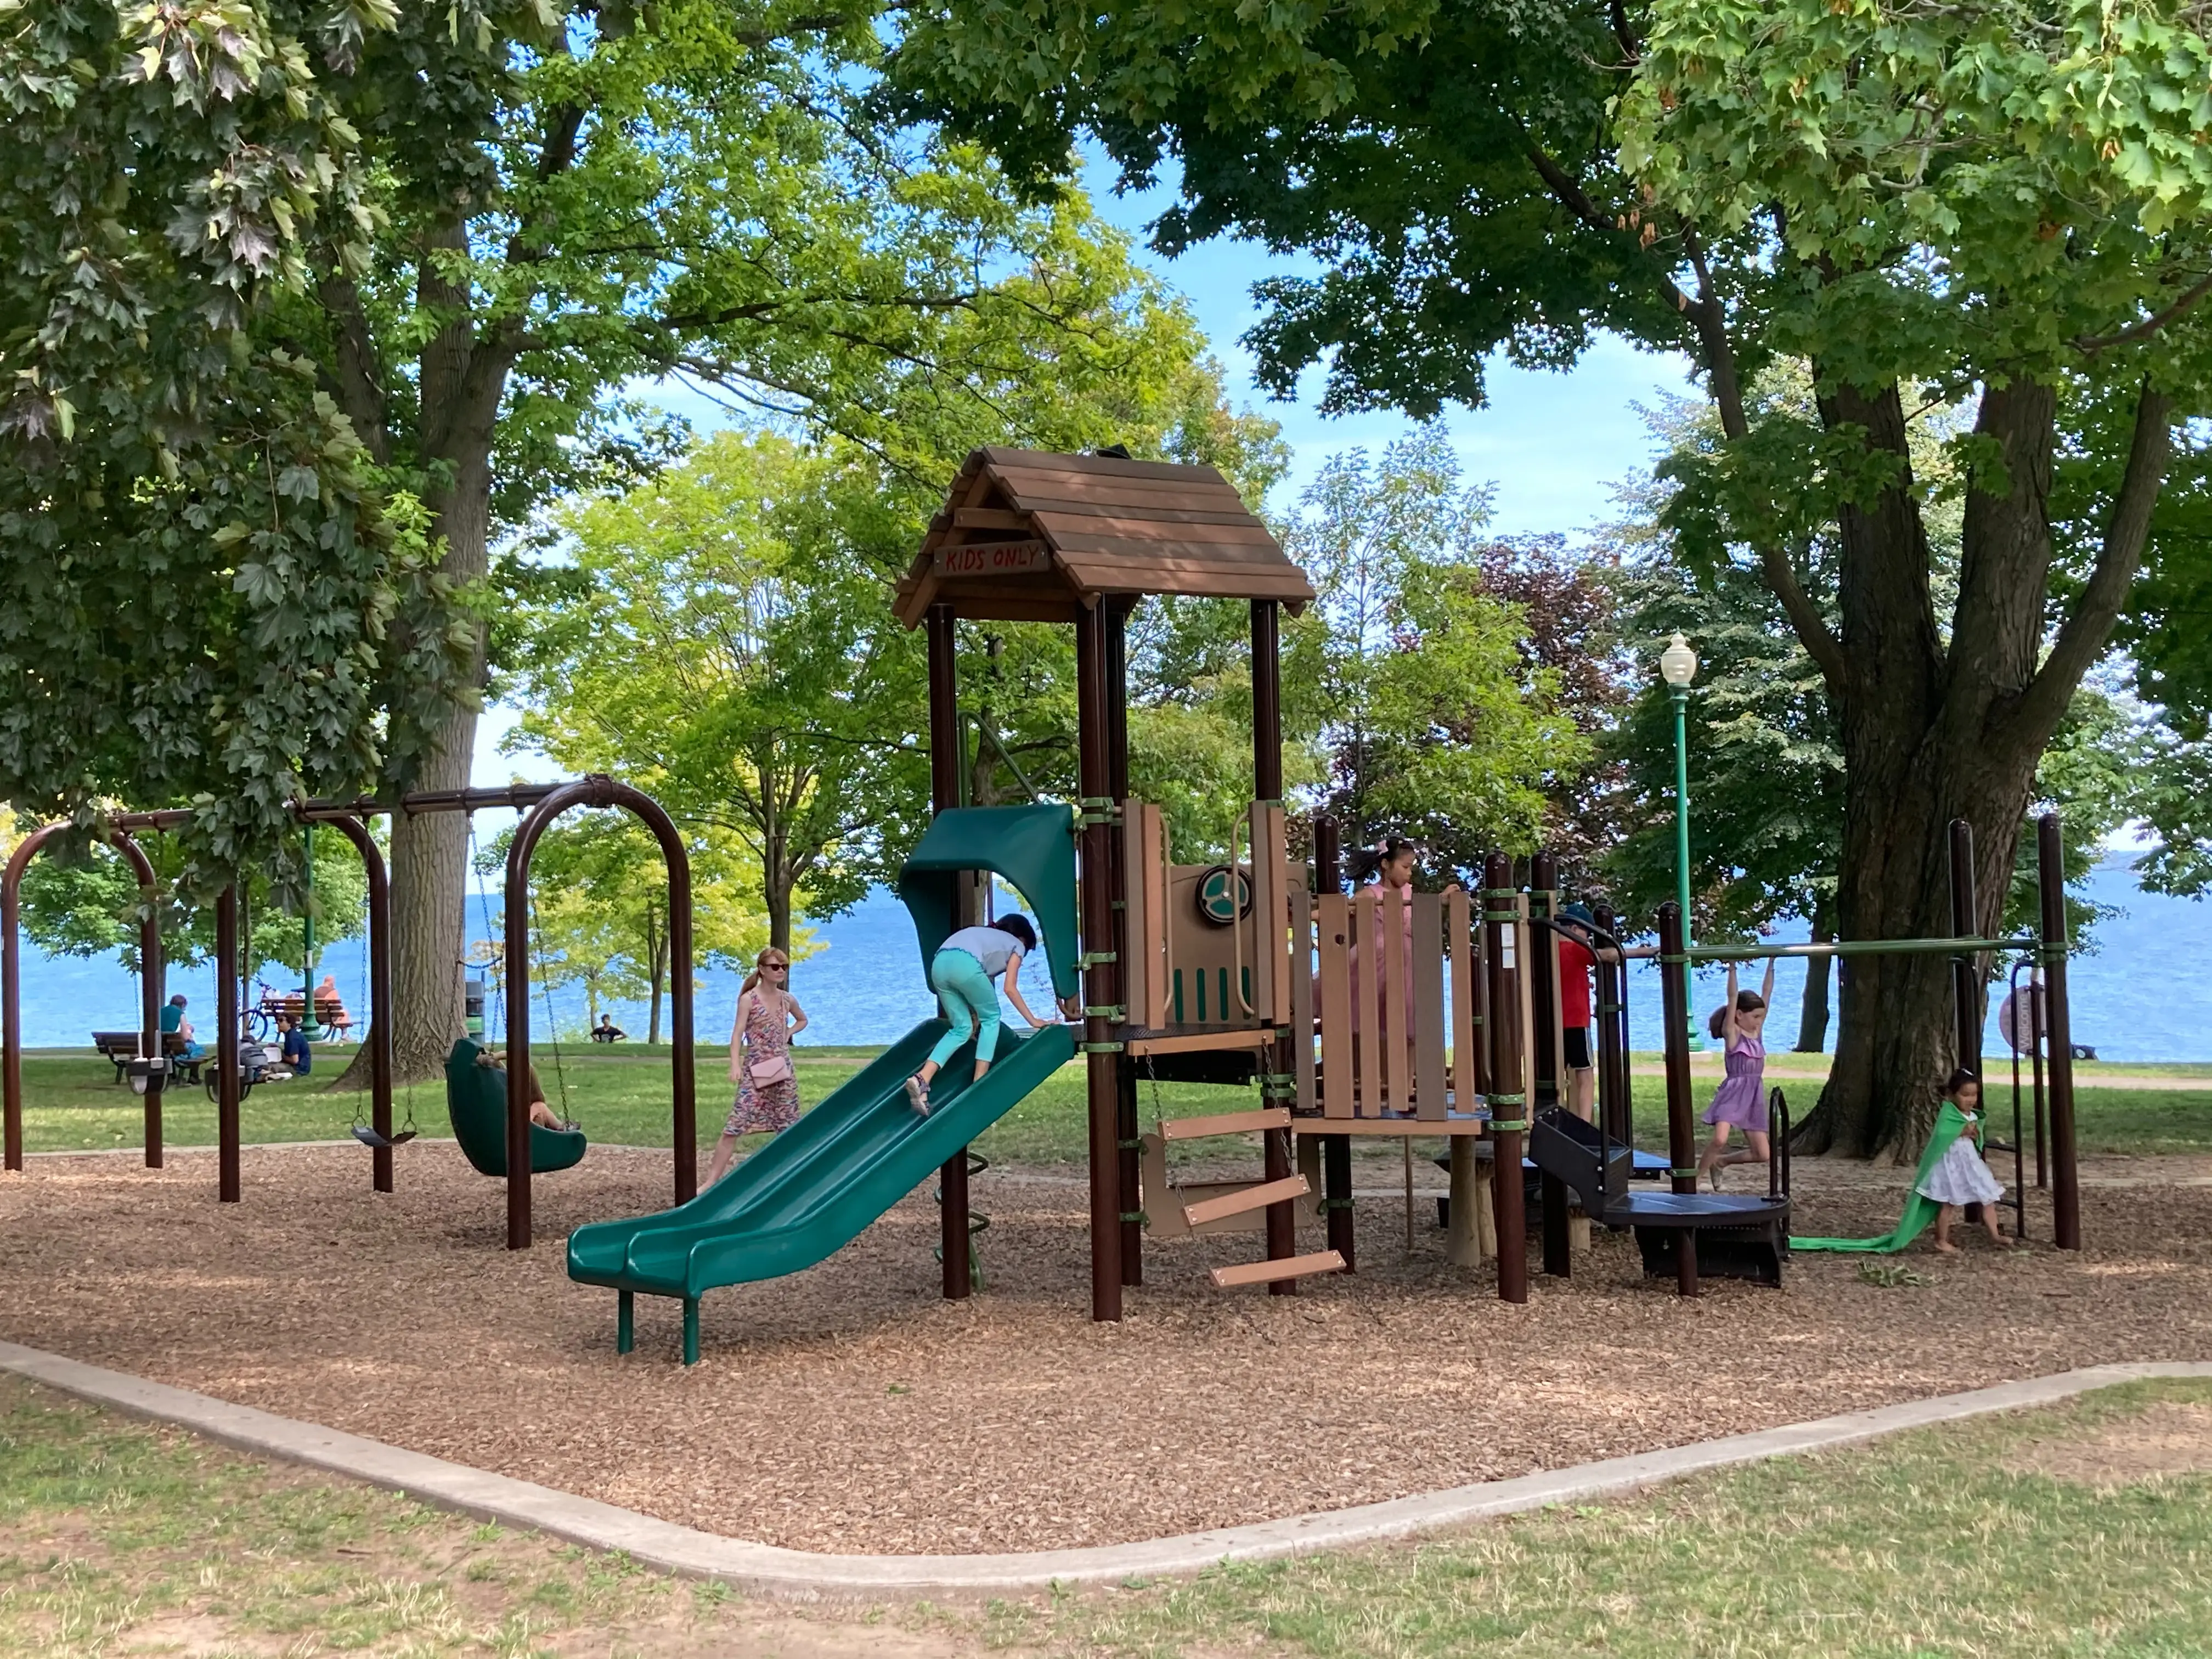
{"x": 173, "y": 1022}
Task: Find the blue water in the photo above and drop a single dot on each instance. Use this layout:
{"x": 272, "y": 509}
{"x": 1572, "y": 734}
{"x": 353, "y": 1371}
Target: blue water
{"x": 863, "y": 985}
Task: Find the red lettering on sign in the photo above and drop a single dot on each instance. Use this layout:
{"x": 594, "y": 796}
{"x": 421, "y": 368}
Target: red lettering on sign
{"x": 992, "y": 559}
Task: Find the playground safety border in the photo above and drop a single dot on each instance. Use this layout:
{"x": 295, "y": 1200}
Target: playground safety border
{"x": 800, "y": 1575}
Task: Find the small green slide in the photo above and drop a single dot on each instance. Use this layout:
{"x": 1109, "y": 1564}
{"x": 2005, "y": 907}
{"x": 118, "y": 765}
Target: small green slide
{"x": 816, "y": 1187}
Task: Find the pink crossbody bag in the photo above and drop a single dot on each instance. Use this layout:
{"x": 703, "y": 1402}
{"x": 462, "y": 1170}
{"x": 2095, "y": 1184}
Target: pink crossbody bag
{"x": 773, "y": 1069}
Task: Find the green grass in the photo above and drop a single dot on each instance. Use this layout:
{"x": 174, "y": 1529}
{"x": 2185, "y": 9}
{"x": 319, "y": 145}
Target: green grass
{"x": 1920, "y": 1546}
{"x": 117, "y": 1537}
{"x": 71, "y": 1104}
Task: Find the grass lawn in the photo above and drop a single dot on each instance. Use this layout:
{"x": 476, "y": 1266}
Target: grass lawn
{"x": 72, "y": 1103}
{"x": 2083, "y": 1529}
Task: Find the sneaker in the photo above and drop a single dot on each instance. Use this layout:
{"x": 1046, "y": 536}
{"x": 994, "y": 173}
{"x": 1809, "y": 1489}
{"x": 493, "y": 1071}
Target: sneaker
{"x": 918, "y": 1092}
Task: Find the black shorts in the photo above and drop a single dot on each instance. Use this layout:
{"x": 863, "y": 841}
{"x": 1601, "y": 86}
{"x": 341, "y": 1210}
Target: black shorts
{"x": 1577, "y": 1047}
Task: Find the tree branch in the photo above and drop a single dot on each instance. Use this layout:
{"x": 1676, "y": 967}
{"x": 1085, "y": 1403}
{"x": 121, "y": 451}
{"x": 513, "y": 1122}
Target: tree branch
{"x": 2082, "y": 638}
{"x": 2089, "y": 345}
{"x": 360, "y": 386}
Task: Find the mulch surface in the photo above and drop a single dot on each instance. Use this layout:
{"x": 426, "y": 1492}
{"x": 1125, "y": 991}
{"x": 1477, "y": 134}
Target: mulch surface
{"x": 849, "y": 1408}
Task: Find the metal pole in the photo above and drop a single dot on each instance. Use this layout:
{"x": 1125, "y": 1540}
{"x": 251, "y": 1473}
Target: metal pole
{"x": 1679, "y": 695}
{"x": 226, "y": 1044}
{"x": 1965, "y": 988}
{"x": 1336, "y": 1150}
{"x": 1616, "y": 1106}
{"x": 1105, "y": 1113}
{"x": 310, "y": 1027}
{"x": 1681, "y": 1134}
{"x": 1501, "y": 921}
{"x": 945, "y": 780}
{"x": 150, "y": 987}
{"x": 2065, "y": 1183}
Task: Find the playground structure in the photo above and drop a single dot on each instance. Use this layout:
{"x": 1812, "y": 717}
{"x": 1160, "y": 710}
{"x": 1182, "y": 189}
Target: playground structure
{"x": 540, "y": 804}
{"x": 1251, "y": 969}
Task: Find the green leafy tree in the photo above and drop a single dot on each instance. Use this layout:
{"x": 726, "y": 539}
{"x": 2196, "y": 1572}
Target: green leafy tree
{"x": 211, "y": 592}
{"x": 2004, "y": 199}
{"x": 1438, "y": 726}
{"x": 83, "y": 901}
{"x": 294, "y": 267}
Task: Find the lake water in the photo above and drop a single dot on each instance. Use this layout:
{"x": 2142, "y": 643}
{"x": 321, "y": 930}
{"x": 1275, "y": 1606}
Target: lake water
{"x": 864, "y": 985}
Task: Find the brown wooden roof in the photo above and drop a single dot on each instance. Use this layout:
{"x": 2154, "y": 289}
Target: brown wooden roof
{"x": 1027, "y": 536}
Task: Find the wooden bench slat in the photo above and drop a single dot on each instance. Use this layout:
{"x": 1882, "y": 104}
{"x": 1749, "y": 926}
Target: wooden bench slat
{"x": 1265, "y": 1272}
{"x": 1252, "y": 1198}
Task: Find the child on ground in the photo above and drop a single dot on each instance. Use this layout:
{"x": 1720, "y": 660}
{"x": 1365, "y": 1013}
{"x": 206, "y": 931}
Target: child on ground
{"x": 961, "y": 973}
{"x": 1960, "y": 1177}
{"x": 767, "y": 1017}
{"x": 1741, "y": 1101}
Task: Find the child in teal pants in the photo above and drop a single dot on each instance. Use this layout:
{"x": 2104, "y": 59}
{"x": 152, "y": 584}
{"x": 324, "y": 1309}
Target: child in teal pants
{"x": 961, "y": 973}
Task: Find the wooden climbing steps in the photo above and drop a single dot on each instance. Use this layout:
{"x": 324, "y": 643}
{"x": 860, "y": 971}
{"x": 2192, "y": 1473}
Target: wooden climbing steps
{"x": 1252, "y": 1198}
{"x": 1266, "y": 1272}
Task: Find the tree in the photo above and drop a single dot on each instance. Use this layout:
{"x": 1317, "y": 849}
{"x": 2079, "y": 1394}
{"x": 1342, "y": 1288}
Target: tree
{"x": 1437, "y": 723}
{"x": 211, "y": 590}
{"x": 82, "y": 900}
{"x": 372, "y": 253}
{"x": 2004, "y": 198}
{"x": 600, "y": 909}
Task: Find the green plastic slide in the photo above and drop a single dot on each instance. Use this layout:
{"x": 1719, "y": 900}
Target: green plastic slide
{"x": 1950, "y": 1124}
{"x": 812, "y": 1189}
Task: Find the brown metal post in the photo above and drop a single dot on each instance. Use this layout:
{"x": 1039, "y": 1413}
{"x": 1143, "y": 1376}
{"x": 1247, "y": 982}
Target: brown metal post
{"x": 942, "y": 628}
{"x": 226, "y": 1044}
{"x": 11, "y": 993}
{"x": 1098, "y": 984}
{"x": 1681, "y": 1133}
{"x": 1543, "y": 946}
{"x": 1267, "y": 786}
{"x": 1500, "y": 916}
{"x": 2065, "y": 1174}
{"x": 1616, "y": 1107}
{"x": 1965, "y": 981}
{"x": 1128, "y": 1170}
{"x": 380, "y": 994}
{"x": 597, "y": 791}
{"x": 1335, "y": 1150}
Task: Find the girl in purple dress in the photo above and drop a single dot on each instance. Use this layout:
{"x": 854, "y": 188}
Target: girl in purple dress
{"x": 1741, "y": 1101}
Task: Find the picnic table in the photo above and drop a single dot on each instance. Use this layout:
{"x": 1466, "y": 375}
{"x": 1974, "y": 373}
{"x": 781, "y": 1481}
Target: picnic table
{"x": 121, "y": 1047}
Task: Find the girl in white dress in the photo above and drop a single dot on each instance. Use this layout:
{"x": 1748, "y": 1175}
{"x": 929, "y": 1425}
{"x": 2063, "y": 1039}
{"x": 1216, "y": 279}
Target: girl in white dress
{"x": 1959, "y": 1177}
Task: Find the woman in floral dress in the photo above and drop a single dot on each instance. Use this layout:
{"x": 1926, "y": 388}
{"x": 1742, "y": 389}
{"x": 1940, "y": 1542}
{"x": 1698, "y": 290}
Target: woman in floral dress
{"x": 767, "y": 1017}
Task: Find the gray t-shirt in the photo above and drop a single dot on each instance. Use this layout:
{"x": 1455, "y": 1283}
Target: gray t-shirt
{"x": 988, "y": 946}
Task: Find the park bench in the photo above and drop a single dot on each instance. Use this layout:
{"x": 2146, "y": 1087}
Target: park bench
{"x": 121, "y": 1047}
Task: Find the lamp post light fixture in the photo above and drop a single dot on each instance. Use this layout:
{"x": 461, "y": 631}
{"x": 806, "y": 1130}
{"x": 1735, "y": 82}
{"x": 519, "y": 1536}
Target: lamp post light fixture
{"x": 1678, "y": 666}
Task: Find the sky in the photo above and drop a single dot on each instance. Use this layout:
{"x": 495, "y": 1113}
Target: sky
{"x": 1551, "y": 445}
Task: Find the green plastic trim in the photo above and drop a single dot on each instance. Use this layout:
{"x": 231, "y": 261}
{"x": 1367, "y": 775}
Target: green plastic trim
{"x": 1096, "y": 958}
{"x": 1678, "y": 1174}
{"x": 1336, "y": 1203}
{"x": 1136, "y": 1144}
{"x": 1507, "y": 1100}
{"x": 1137, "y": 1216}
{"x": 1115, "y": 1013}
{"x": 1505, "y": 1126}
{"x": 1099, "y": 1047}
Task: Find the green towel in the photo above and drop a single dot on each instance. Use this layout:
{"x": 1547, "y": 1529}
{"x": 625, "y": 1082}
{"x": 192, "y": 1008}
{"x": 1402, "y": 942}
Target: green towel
{"x": 1950, "y": 1124}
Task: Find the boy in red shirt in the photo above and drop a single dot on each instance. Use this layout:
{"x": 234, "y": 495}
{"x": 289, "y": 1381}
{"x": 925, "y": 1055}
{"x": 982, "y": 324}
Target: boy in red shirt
{"x": 1576, "y": 964}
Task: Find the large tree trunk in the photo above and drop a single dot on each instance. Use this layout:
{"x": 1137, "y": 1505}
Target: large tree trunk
{"x": 463, "y": 380}
{"x": 1933, "y": 731}
{"x": 1813, "y": 1012}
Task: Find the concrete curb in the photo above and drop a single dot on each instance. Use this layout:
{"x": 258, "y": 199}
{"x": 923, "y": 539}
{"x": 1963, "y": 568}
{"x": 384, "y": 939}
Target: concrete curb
{"x": 798, "y": 1574}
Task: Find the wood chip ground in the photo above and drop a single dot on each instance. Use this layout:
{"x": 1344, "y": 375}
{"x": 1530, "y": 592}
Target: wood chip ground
{"x": 849, "y": 1408}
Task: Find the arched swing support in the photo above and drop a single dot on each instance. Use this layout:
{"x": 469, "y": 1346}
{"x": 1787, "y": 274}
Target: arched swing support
{"x": 379, "y": 992}
{"x": 596, "y": 791}
{"x": 11, "y": 985}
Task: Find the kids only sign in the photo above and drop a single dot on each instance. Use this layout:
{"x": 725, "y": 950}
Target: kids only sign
{"x": 993, "y": 559}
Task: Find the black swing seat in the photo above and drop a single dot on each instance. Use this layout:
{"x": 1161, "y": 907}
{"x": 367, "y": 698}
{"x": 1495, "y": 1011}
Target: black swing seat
{"x": 476, "y": 1098}
{"x": 367, "y": 1136}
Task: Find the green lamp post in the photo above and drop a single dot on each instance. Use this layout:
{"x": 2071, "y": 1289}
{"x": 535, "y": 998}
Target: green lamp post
{"x": 1678, "y": 666}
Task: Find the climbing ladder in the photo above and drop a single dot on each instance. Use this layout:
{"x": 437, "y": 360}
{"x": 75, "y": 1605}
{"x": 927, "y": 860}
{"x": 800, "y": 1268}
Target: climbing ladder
{"x": 1223, "y": 1201}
